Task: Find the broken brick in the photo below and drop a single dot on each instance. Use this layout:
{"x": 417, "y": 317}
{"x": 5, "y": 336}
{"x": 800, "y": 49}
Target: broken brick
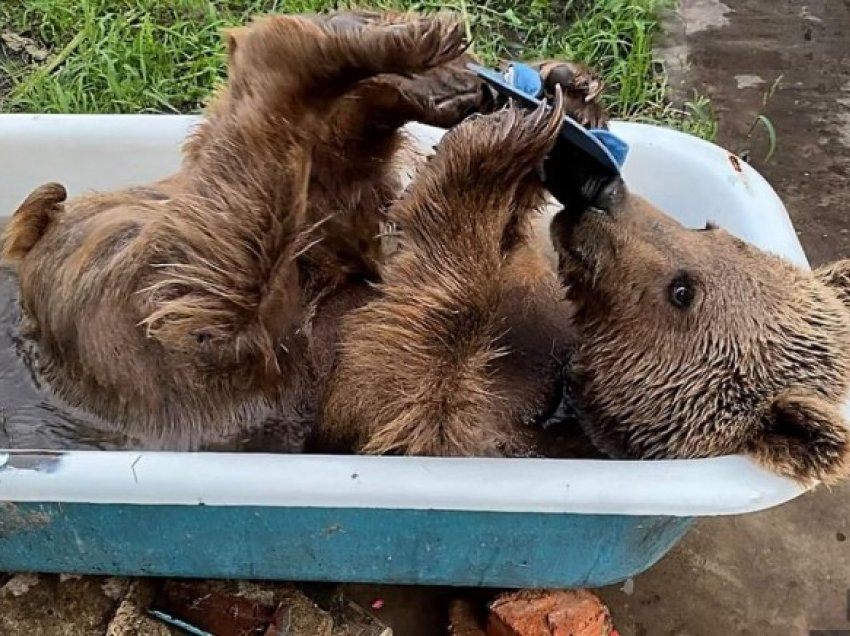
{"x": 549, "y": 613}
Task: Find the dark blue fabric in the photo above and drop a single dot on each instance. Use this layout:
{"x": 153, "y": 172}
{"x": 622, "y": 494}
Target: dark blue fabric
{"x": 525, "y": 79}
{"x": 618, "y": 148}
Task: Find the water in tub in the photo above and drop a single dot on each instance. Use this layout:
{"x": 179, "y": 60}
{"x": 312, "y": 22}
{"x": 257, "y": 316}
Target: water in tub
{"x": 30, "y": 417}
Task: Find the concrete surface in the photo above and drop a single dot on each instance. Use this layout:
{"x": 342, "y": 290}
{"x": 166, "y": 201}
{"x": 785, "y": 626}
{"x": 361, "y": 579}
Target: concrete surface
{"x": 785, "y": 572}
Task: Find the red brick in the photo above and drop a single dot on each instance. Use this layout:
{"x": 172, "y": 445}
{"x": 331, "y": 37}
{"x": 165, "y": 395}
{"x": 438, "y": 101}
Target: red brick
{"x": 549, "y": 613}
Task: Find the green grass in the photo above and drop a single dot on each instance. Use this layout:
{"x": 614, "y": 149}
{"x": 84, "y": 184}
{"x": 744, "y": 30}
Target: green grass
{"x": 119, "y": 56}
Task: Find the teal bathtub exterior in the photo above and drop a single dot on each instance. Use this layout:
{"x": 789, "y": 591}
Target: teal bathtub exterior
{"x": 422, "y": 547}
{"x": 471, "y": 522}
{"x": 520, "y": 523}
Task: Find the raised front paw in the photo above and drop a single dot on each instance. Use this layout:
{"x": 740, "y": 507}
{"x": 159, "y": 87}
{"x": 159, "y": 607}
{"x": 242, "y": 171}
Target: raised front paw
{"x": 442, "y": 96}
{"x": 322, "y": 56}
{"x": 506, "y": 145}
{"x": 582, "y": 88}
{"x": 401, "y": 43}
{"x": 442, "y": 91}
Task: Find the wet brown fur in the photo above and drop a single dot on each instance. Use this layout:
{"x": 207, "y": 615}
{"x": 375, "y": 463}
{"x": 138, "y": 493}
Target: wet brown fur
{"x": 232, "y": 291}
{"x": 759, "y": 363}
{"x": 452, "y": 354}
{"x": 184, "y": 309}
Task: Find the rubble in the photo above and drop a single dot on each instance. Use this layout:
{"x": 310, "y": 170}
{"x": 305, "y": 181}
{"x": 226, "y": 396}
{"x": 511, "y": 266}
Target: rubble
{"x": 44, "y": 605}
{"x": 71, "y": 605}
{"x": 241, "y": 609}
{"x": 131, "y": 618}
{"x": 549, "y": 613}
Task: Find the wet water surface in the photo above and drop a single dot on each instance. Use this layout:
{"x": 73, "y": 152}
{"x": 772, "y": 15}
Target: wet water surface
{"x": 29, "y": 416}
{"x": 32, "y": 418}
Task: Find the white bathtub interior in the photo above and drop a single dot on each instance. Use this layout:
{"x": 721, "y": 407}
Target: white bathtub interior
{"x": 693, "y": 180}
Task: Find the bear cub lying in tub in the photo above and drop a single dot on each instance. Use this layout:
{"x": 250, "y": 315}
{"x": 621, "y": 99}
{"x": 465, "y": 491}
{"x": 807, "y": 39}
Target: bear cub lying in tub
{"x": 250, "y": 289}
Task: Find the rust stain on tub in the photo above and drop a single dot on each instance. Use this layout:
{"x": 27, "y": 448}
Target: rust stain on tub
{"x": 15, "y": 519}
{"x": 738, "y": 169}
{"x": 736, "y": 164}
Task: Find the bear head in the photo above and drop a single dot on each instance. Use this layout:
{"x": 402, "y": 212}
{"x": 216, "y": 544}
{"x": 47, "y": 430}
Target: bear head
{"x": 694, "y": 343}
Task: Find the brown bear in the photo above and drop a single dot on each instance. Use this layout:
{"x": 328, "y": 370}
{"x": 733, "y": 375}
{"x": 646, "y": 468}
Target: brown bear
{"x": 188, "y": 310}
{"x": 674, "y": 343}
{"x": 203, "y": 308}
{"x": 711, "y": 347}
{"x": 251, "y": 287}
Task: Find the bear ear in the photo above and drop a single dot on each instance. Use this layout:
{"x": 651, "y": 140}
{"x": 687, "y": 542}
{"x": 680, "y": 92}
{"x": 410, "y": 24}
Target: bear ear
{"x": 233, "y": 37}
{"x": 837, "y": 276}
{"x": 804, "y": 437}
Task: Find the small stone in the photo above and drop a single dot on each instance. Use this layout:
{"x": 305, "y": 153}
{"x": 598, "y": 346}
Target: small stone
{"x": 20, "y": 584}
{"x": 20, "y": 44}
{"x": 64, "y": 578}
{"x": 549, "y": 613}
{"x": 748, "y": 81}
{"x": 131, "y": 617}
{"x": 115, "y": 587}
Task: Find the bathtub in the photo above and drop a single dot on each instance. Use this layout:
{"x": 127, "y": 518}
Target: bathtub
{"x": 470, "y": 522}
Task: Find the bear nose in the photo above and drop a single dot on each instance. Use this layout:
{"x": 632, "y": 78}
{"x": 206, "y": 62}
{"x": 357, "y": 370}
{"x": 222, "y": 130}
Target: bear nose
{"x": 597, "y": 195}
{"x": 609, "y": 195}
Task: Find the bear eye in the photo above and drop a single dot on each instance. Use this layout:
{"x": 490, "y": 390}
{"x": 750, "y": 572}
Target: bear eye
{"x": 681, "y": 292}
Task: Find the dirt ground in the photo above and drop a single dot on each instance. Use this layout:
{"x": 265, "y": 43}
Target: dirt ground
{"x": 785, "y": 571}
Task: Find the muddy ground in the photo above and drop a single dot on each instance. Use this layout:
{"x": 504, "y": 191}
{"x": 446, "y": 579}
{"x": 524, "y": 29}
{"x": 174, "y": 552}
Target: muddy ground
{"x": 736, "y": 53}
